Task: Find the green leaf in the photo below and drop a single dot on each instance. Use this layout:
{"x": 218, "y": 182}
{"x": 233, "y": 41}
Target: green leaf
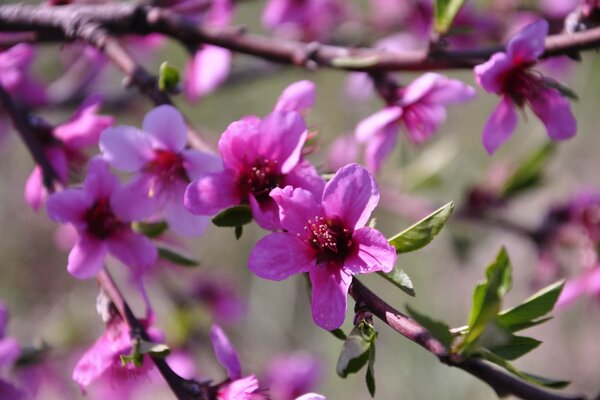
{"x": 422, "y": 233}
{"x": 487, "y": 299}
{"x": 538, "y": 305}
{"x": 356, "y": 349}
{"x": 562, "y": 88}
{"x": 233, "y": 216}
{"x": 438, "y": 330}
{"x": 444, "y": 13}
{"x": 150, "y": 229}
{"x": 516, "y": 347}
{"x": 525, "y": 325}
{"x": 370, "y": 376}
{"x": 176, "y": 258}
{"x": 535, "y": 379}
{"x": 529, "y": 172}
{"x": 338, "y": 333}
{"x": 168, "y": 77}
{"x": 400, "y": 279}
{"x": 238, "y": 230}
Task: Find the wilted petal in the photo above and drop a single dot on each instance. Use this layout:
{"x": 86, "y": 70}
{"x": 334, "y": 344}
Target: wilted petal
{"x": 490, "y": 75}
{"x": 126, "y": 148}
{"x": 296, "y": 207}
{"x": 86, "y": 259}
{"x": 376, "y": 123}
{"x": 211, "y": 193}
{"x": 555, "y": 112}
{"x": 166, "y": 128}
{"x": 351, "y": 195}
{"x": 68, "y": 206}
{"x": 133, "y": 249}
{"x": 500, "y": 125}
{"x": 197, "y": 163}
{"x": 225, "y": 352}
{"x": 374, "y": 253}
{"x": 207, "y": 70}
{"x": 380, "y": 147}
{"x": 329, "y": 295}
{"x": 528, "y": 45}
{"x": 282, "y": 136}
{"x": 305, "y": 175}
{"x": 279, "y": 255}
{"x": 298, "y": 96}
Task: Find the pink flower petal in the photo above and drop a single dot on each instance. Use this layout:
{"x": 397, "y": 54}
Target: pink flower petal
{"x": 555, "y": 112}
{"x": 282, "y": 137}
{"x": 528, "y": 45}
{"x": 422, "y": 121}
{"x": 10, "y": 392}
{"x": 239, "y": 389}
{"x": 296, "y": 207}
{"x": 351, "y": 195}
{"x": 238, "y": 144}
{"x": 132, "y": 249}
{"x": 298, "y": 96}
{"x": 490, "y": 75}
{"x": 86, "y": 259}
{"x": 68, "y": 206}
{"x": 329, "y": 295}
{"x": 305, "y": 175}
{"x": 85, "y": 126}
{"x": 197, "y": 163}
{"x": 449, "y": 91}
{"x": 500, "y": 125}
{"x": 420, "y": 87}
{"x": 211, "y": 193}
{"x": 9, "y": 351}
{"x": 374, "y": 253}
{"x": 344, "y": 150}
{"x": 166, "y": 128}
{"x": 225, "y": 352}
{"x": 587, "y": 283}
{"x": 380, "y": 147}
{"x": 207, "y": 70}
{"x": 265, "y": 213}
{"x": 126, "y": 148}
{"x": 134, "y": 202}
{"x": 182, "y": 222}
{"x": 99, "y": 182}
{"x": 279, "y": 255}
{"x": 35, "y": 193}
{"x": 380, "y": 121}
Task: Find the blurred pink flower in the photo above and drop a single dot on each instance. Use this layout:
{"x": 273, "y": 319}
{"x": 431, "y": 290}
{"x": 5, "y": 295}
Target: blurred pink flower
{"x": 163, "y": 167}
{"x": 218, "y": 294}
{"x": 9, "y": 353}
{"x": 326, "y": 237}
{"x": 15, "y": 78}
{"x": 102, "y": 229}
{"x": 508, "y": 75}
{"x": 289, "y": 376}
{"x": 419, "y": 108}
{"x": 344, "y": 150}
{"x": 587, "y": 283}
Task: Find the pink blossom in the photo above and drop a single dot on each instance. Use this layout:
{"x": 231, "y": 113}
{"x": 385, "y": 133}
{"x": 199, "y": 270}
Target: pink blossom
{"x": 306, "y": 19}
{"x": 586, "y": 283}
{"x": 344, "y": 150}
{"x": 65, "y": 146}
{"x": 15, "y": 64}
{"x": 100, "y": 215}
{"x": 326, "y": 237}
{"x": 163, "y": 167}
{"x": 298, "y": 96}
{"x": 258, "y": 155}
{"x": 291, "y": 375}
{"x": 508, "y": 75}
{"x": 419, "y": 108}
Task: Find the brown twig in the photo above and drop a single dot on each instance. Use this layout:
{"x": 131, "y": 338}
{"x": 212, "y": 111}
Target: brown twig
{"x": 502, "y": 383}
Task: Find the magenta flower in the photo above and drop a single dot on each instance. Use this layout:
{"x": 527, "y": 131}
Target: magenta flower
{"x": 65, "y": 146}
{"x": 419, "y": 108}
{"x": 509, "y": 75}
{"x": 326, "y": 237}
{"x": 298, "y": 96}
{"x": 257, "y": 157}
{"x": 291, "y": 375}
{"x": 163, "y": 167}
{"x": 15, "y": 64}
{"x": 101, "y": 228}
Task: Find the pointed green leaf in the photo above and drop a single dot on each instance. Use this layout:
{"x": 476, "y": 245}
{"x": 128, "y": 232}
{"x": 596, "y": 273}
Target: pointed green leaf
{"x": 238, "y": 230}
{"x": 168, "y": 77}
{"x": 176, "y": 258}
{"x": 525, "y": 325}
{"x": 438, "y": 329}
{"x": 356, "y": 349}
{"x": 370, "y": 376}
{"x": 444, "y": 13}
{"x": 150, "y": 229}
{"x": 562, "y": 88}
{"x": 422, "y": 233}
{"x": 529, "y": 173}
{"x": 233, "y": 216}
{"x": 338, "y": 333}
{"x": 538, "y": 305}
{"x": 400, "y": 279}
{"x": 516, "y": 347}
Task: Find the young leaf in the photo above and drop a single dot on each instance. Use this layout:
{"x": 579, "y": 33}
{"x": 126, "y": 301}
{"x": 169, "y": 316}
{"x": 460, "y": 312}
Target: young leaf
{"x": 422, "y": 233}
{"x": 400, "y": 279}
{"x": 516, "y": 347}
{"x": 538, "y": 305}
{"x": 370, "y": 376}
{"x": 356, "y": 349}
{"x": 338, "y": 333}
{"x": 487, "y": 299}
{"x": 529, "y": 173}
{"x": 438, "y": 330}
{"x": 168, "y": 77}
{"x": 176, "y": 258}
{"x": 444, "y": 13}
{"x": 150, "y": 229}
{"x": 233, "y": 216}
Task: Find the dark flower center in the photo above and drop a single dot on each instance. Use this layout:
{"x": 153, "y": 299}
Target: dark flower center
{"x": 260, "y": 179}
{"x": 101, "y": 221}
{"x": 168, "y": 166}
{"x": 521, "y": 85}
{"x": 329, "y": 238}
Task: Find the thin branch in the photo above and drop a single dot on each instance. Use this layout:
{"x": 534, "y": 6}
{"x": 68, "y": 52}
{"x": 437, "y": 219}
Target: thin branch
{"x": 501, "y": 382}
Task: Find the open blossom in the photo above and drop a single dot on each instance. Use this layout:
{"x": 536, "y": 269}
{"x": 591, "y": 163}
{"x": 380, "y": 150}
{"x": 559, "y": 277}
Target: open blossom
{"x": 326, "y": 236}
{"x": 94, "y": 211}
{"x": 258, "y": 155}
{"x": 509, "y": 75}
{"x": 420, "y": 108}
{"x": 163, "y": 167}
{"x": 64, "y": 148}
